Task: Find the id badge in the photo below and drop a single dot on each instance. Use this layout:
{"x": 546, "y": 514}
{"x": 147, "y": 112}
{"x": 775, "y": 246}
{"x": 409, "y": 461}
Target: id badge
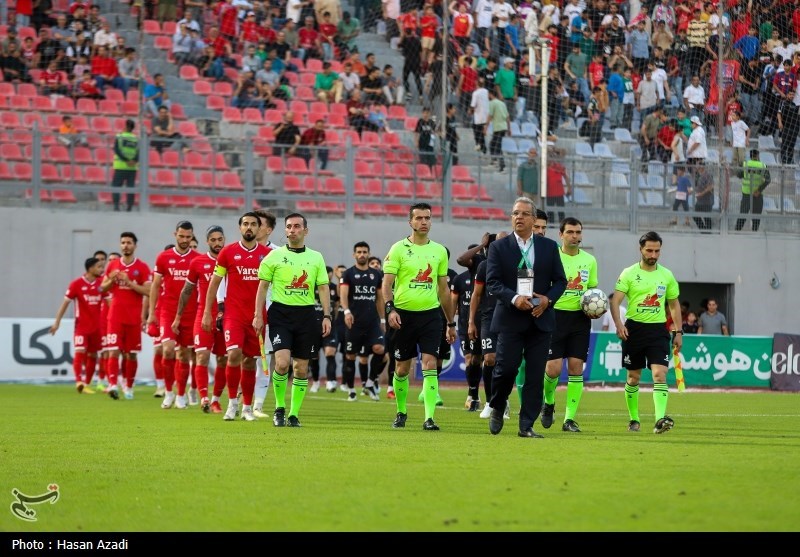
{"x": 525, "y": 282}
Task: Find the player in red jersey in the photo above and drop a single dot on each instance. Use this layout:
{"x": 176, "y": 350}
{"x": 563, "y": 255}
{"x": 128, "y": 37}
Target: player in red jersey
{"x": 205, "y": 343}
{"x": 154, "y": 331}
{"x": 169, "y": 276}
{"x": 102, "y": 356}
{"x": 85, "y": 292}
{"x": 239, "y": 263}
{"x": 127, "y": 279}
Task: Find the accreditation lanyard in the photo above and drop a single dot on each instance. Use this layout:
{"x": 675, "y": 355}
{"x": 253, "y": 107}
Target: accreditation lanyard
{"x": 525, "y": 273}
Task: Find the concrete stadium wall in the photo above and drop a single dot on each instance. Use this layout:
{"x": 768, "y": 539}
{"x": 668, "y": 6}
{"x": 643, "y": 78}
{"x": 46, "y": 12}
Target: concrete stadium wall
{"x": 44, "y": 249}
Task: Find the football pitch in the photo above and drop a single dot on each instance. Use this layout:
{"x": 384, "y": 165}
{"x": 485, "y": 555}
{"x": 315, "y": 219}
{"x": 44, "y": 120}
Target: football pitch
{"x": 730, "y": 464}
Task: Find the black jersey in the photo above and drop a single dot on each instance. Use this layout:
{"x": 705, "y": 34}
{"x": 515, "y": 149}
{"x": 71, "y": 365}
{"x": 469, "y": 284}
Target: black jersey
{"x": 462, "y": 286}
{"x": 488, "y": 301}
{"x": 363, "y": 286}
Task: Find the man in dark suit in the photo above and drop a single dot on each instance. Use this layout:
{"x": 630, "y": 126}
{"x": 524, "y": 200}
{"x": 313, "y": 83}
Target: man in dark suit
{"x": 525, "y": 274}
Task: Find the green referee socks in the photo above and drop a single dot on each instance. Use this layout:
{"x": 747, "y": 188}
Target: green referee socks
{"x": 632, "y": 400}
{"x": 400, "y": 385}
{"x": 430, "y": 386}
{"x": 299, "y": 388}
{"x": 574, "y": 392}
{"x": 279, "y": 388}
{"x": 550, "y": 384}
{"x": 660, "y": 398}
{"x": 520, "y": 380}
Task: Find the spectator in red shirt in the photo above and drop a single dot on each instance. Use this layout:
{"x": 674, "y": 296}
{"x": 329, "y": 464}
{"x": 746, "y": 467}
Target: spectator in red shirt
{"x": 467, "y": 83}
{"x": 309, "y": 41}
{"x": 462, "y": 25}
{"x": 267, "y": 33}
{"x": 428, "y": 24}
{"x": 250, "y": 34}
{"x": 226, "y": 15}
{"x": 314, "y": 137}
{"x": 86, "y": 88}
{"x": 105, "y": 72}
{"x": 557, "y": 186}
{"x": 53, "y": 81}
{"x": 664, "y": 137}
{"x": 327, "y": 37}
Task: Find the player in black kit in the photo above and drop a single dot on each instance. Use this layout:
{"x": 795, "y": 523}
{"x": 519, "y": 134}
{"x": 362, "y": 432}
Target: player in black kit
{"x": 361, "y": 302}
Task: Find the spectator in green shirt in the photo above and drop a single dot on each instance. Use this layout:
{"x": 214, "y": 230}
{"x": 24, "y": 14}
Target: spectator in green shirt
{"x": 506, "y": 83}
{"x": 328, "y": 85}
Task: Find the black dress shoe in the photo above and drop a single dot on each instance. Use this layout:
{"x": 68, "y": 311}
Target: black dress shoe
{"x": 530, "y": 433}
{"x": 495, "y": 421}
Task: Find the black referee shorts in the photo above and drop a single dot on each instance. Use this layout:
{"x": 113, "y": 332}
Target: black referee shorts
{"x": 571, "y": 337}
{"x": 648, "y": 344}
{"x": 418, "y": 329}
{"x": 294, "y": 328}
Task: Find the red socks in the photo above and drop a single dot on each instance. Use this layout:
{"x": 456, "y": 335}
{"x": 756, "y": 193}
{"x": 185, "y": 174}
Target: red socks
{"x": 232, "y": 374}
{"x": 201, "y": 380}
{"x": 248, "y": 385}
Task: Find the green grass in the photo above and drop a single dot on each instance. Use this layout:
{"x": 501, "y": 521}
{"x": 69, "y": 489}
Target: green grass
{"x": 730, "y": 464}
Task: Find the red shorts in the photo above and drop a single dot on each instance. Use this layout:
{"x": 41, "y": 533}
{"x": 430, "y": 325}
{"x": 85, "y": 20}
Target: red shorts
{"x": 89, "y": 342}
{"x": 213, "y": 341}
{"x": 239, "y": 333}
{"x": 125, "y": 338}
{"x": 184, "y": 336}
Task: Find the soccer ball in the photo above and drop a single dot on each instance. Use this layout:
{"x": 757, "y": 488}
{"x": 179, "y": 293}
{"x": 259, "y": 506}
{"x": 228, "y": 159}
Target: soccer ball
{"x": 594, "y": 303}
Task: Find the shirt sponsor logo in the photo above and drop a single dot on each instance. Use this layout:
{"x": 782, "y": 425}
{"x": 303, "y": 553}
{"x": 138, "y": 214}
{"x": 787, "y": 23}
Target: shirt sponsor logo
{"x": 423, "y": 279}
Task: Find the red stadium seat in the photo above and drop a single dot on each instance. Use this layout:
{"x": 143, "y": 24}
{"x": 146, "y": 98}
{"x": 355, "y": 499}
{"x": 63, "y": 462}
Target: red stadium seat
{"x": 151, "y": 27}
{"x": 201, "y": 87}
{"x": 96, "y": 175}
{"x": 63, "y": 196}
{"x": 189, "y": 72}
{"x": 58, "y": 154}
{"x": 230, "y": 181}
{"x": 331, "y": 208}
{"x": 333, "y": 186}
{"x": 398, "y": 188}
{"x": 106, "y": 106}
{"x": 42, "y": 104}
{"x": 49, "y": 173}
{"x": 307, "y": 206}
{"x": 232, "y": 114}
{"x": 197, "y": 161}
{"x": 162, "y": 42}
{"x": 214, "y": 102}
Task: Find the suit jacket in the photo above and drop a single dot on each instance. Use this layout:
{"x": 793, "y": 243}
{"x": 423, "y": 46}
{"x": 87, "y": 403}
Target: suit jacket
{"x": 549, "y": 279}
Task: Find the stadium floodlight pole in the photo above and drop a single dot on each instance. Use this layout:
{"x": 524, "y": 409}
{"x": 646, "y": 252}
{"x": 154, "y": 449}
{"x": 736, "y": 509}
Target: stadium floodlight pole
{"x": 445, "y": 46}
{"x": 543, "y": 92}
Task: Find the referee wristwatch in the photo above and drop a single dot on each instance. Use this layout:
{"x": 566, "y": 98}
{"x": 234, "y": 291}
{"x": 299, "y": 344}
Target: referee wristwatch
{"x": 453, "y": 324}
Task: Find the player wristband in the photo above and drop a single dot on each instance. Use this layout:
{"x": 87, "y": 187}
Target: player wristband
{"x": 328, "y": 317}
{"x": 453, "y": 324}
{"x": 221, "y": 307}
{"x": 383, "y": 321}
{"x": 347, "y": 311}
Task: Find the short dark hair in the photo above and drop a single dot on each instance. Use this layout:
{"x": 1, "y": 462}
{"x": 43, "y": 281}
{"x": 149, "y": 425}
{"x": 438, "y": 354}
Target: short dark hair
{"x": 250, "y": 214}
{"x": 375, "y": 258}
{"x": 572, "y": 221}
{"x": 90, "y": 262}
{"x": 100, "y": 252}
{"x": 754, "y": 153}
{"x": 294, "y": 216}
{"x": 214, "y": 228}
{"x": 130, "y": 235}
{"x": 361, "y": 244}
{"x": 184, "y": 225}
{"x": 129, "y": 124}
{"x": 422, "y": 206}
{"x": 649, "y": 237}
{"x": 267, "y": 216}
{"x": 540, "y": 215}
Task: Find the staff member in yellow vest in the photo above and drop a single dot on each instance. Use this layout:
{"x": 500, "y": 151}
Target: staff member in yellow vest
{"x": 126, "y": 162}
{"x": 754, "y": 180}
{"x": 571, "y": 337}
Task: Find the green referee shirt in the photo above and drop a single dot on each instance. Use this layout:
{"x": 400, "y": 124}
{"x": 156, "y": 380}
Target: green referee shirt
{"x": 417, "y": 270}
{"x": 581, "y": 271}
{"x": 294, "y": 275}
{"x": 647, "y": 292}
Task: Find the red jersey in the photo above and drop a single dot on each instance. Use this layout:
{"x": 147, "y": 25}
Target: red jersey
{"x": 88, "y": 300}
{"x": 227, "y": 19}
{"x": 53, "y": 79}
{"x": 307, "y": 38}
{"x": 596, "y": 73}
{"x": 428, "y": 24}
{"x": 328, "y": 30}
{"x": 104, "y": 66}
{"x": 250, "y": 32}
{"x": 555, "y": 179}
{"x": 470, "y": 76}
{"x": 201, "y": 269}
{"x": 174, "y": 268}
{"x": 461, "y": 24}
{"x": 732, "y": 107}
{"x": 126, "y": 304}
{"x": 240, "y": 265}
{"x": 408, "y": 21}
{"x": 267, "y": 34}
